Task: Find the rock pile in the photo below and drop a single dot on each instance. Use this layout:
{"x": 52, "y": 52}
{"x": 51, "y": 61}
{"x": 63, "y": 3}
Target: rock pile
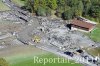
{"x": 61, "y": 36}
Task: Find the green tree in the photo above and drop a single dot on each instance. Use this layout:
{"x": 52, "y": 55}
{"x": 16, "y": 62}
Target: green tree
{"x": 80, "y": 8}
{"x": 52, "y": 4}
{"x": 95, "y": 11}
{"x": 59, "y": 12}
{"x": 61, "y": 4}
{"x": 87, "y": 4}
{"x": 68, "y": 14}
{"x": 48, "y": 11}
{"x": 41, "y": 11}
{"x": 60, "y": 8}
{"x": 36, "y": 4}
{"x": 42, "y": 3}
{"x": 73, "y": 3}
{"x": 95, "y": 2}
{"x": 29, "y": 5}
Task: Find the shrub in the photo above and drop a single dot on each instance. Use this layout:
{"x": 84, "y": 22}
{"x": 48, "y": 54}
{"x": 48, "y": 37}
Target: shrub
{"x": 67, "y": 15}
{"x": 3, "y": 62}
{"x": 41, "y": 11}
{"x": 48, "y": 11}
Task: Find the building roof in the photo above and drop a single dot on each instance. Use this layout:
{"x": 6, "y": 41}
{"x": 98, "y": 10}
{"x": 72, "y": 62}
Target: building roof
{"x": 86, "y": 20}
{"x": 82, "y": 23}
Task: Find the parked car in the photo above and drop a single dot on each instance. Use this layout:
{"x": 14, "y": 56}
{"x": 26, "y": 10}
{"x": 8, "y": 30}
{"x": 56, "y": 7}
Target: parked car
{"x": 79, "y": 51}
{"x": 69, "y": 53}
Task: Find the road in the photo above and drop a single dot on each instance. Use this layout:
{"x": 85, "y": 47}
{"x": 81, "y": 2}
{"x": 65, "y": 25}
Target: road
{"x": 56, "y": 51}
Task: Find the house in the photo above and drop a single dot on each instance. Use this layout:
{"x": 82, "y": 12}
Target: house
{"x": 82, "y": 24}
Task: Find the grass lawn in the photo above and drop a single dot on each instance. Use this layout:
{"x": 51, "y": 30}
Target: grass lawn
{"x": 18, "y": 2}
{"x": 29, "y": 61}
{"x": 24, "y": 56}
{"x": 95, "y": 35}
{"x": 94, "y": 52}
{"x": 3, "y": 7}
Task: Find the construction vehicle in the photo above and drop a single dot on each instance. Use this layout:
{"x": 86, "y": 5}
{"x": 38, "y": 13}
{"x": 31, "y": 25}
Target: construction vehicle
{"x": 36, "y": 39}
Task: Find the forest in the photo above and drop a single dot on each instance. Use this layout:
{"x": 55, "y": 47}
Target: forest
{"x": 66, "y": 9}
